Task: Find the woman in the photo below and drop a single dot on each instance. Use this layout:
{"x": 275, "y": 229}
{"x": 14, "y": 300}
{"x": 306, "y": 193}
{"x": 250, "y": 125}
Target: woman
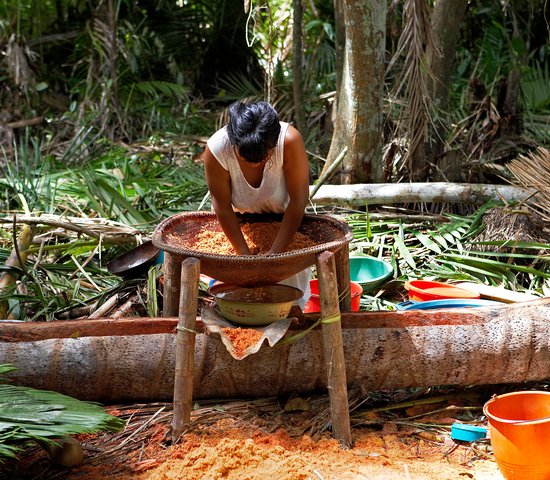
{"x": 258, "y": 164}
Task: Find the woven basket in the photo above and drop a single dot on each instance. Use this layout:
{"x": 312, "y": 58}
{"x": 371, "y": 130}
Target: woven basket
{"x": 249, "y": 270}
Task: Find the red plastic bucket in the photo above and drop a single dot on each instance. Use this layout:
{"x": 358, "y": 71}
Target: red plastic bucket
{"x": 314, "y": 305}
{"x": 519, "y": 424}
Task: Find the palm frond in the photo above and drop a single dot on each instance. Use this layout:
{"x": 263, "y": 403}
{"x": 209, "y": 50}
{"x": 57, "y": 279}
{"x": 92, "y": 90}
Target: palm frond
{"x": 412, "y": 82}
{"x": 533, "y": 171}
{"x": 452, "y": 251}
{"x": 27, "y": 414}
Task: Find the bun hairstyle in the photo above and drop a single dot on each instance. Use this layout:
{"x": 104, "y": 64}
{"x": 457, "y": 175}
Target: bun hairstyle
{"x": 254, "y": 129}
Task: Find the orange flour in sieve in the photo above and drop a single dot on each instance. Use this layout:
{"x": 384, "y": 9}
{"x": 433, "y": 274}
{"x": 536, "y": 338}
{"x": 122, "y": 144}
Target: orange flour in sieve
{"x": 259, "y": 237}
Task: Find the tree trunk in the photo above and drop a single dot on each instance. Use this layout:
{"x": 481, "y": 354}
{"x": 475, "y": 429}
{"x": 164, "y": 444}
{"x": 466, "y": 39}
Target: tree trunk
{"x": 297, "y": 87}
{"x": 447, "y": 17}
{"x": 441, "y": 192}
{"x": 383, "y": 350}
{"x": 359, "y": 107}
{"x": 340, "y": 41}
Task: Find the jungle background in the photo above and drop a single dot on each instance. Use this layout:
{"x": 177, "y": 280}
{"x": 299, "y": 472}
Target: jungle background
{"x": 105, "y": 108}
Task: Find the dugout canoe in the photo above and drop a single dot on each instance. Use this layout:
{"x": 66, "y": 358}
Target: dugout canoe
{"x": 133, "y": 359}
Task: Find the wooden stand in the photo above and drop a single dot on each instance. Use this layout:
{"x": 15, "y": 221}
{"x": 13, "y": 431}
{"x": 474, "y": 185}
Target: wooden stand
{"x": 185, "y": 346}
{"x": 341, "y": 260}
{"x": 171, "y": 289}
{"x": 334, "y": 349}
{"x": 181, "y": 282}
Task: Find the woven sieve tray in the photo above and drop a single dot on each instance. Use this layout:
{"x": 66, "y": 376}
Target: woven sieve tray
{"x": 249, "y": 270}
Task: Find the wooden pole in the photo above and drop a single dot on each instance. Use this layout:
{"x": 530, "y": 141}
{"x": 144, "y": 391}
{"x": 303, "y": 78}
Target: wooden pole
{"x": 341, "y": 259}
{"x": 171, "y": 288}
{"x": 185, "y": 346}
{"x": 334, "y": 349}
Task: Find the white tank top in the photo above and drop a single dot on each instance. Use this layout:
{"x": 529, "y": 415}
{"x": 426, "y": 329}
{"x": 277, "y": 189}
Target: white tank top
{"x": 272, "y": 195}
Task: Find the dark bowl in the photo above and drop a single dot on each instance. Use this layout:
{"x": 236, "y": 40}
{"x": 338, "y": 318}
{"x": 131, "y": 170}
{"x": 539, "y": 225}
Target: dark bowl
{"x": 135, "y": 262}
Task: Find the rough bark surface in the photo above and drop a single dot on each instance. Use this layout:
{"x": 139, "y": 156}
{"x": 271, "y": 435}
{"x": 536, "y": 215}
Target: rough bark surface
{"x": 359, "y": 117}
{"x": 382, "y": 351}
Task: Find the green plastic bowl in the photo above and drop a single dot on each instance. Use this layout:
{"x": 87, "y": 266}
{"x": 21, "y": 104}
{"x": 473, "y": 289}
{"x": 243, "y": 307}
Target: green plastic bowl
{"x": 369, "y": 272}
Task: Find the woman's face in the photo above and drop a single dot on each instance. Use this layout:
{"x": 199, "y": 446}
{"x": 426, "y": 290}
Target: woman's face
{"x": 259, "y": 164}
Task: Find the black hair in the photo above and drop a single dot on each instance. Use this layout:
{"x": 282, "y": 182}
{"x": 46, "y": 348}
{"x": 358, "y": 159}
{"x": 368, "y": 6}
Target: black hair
{"x": 254, "y": 129}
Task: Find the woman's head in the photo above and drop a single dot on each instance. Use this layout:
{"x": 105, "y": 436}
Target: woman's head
{"x": 254, "y": 129}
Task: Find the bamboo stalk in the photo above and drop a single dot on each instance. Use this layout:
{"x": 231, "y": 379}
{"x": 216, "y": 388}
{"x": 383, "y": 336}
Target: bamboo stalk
{"x": 105, "y": 308}
{"x": 341, "y": 259}
{"x": 171, "y": 288}
{"x": 185, "y": 346}
{"x": 125, "y": 308}
{"x": 78, "y": 311}
{"x": 100, "y": 229}
{"x": 16, "y": 260}
{"x": 328, "y": 173}
{"x": 333, "y": 347}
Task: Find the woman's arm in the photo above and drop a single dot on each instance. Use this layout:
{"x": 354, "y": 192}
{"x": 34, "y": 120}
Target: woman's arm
{"x": 219, "y": 186}
{"x": 296, "y": 172}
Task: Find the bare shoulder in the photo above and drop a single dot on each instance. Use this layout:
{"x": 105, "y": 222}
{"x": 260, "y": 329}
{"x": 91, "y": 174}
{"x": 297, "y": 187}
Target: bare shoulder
{"x": 209, "y": 158}
{"x": 293, "y": 136}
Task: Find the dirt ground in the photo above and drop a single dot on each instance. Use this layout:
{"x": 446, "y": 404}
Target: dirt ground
{"x": 283, "y": 440}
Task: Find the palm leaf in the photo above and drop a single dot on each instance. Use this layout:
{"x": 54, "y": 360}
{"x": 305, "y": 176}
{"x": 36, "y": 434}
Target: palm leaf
{"x": 28, "y": 414}
{"x": 404, "y": 251}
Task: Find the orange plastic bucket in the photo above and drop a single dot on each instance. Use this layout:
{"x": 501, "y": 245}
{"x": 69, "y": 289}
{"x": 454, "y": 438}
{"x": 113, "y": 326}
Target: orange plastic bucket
{"x": 314, "y": 305}
{"x": 519, "y": 426}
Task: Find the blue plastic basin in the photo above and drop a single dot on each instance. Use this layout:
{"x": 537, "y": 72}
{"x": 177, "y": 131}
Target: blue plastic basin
{"x": 467, "y": 433}
{"x": 447, "y": 303}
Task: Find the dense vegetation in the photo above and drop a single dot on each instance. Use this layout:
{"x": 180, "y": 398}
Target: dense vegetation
{"x": 106, "y": 107}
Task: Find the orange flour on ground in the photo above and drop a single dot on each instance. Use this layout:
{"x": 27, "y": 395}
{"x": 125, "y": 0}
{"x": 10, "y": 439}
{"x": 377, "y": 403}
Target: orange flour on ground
{"x": 279, "y": 457}
{"x": 235, "y": 459}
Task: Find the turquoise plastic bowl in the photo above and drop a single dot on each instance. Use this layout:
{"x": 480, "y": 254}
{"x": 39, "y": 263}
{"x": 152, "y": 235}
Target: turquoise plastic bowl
{"x": 369, "y": 272}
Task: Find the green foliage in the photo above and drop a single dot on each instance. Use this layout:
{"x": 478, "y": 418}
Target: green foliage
{"x": 27, "y": 415}
{"x": 449, "y": 251}
{"x": 498, "y": 38}
{"x": 127, "y": 186}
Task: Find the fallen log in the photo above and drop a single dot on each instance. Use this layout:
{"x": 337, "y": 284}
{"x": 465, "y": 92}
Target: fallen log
{"x": 383, "y": 350}
{"x": 361, "y": 194}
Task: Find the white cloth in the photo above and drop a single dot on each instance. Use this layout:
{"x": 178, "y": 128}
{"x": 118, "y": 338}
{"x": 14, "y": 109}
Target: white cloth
{"x": 270, "y": 197}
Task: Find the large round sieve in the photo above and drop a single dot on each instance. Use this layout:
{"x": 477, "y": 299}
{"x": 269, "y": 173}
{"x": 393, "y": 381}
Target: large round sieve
{"x": 177, "y": 234}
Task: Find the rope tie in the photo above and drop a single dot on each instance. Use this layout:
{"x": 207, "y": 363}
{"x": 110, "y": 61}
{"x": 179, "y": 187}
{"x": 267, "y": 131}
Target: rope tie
{"x": 188, "y": 330}
{"x": 299, "y": 336}
{"x": 334, "y": 318}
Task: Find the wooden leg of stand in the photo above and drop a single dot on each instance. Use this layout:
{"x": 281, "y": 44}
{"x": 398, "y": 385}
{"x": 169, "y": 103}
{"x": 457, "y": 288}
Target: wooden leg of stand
{"x": 334, "y": 349}
{"x": 171, "y": 288}
{"x": 185, "y": 346}
{"x": 341, "y": 258}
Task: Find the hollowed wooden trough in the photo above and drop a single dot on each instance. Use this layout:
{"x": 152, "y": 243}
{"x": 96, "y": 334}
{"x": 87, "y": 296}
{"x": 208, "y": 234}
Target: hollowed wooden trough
{"x": 133, "y": 359}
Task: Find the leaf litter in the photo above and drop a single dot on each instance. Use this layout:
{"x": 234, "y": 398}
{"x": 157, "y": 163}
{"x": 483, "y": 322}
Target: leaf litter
{"x": 403, "y": 434}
